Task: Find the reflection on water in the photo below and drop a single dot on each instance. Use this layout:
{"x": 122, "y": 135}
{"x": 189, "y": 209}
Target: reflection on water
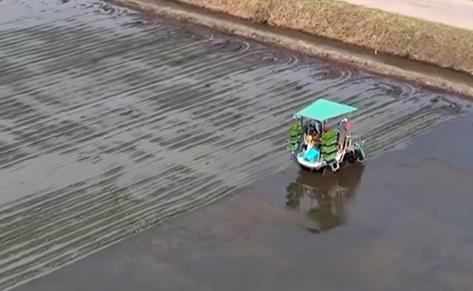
{"x": 324, "y": 198}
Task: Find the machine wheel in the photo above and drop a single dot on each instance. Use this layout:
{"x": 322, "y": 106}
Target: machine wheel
{"x": 350, "y": 157}
{"x": 359, "y": 155}
{"x": 326, "y": 171}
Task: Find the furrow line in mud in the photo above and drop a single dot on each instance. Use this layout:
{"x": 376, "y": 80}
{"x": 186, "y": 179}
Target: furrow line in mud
{"x": 365, "y": 126}
{"x": 162, "y": 78}
{"x": 33, "y": 18}
{"x": 216, "y": 108}
{"x": 96, "y": 232}
{"x": 62, "y": 198}
{"x": 135, "y": 123}
{"x": 20, "y": 27}
{"x": 416, "y": 126}
{"x": 51, "y": 13}
{"x": 237, "y": 146}
{"x": 247, "y": 162}
{"x": 63, "y": 32}
{"x": 91, "y": 104}
{"x": 92, "y": 245}
{"x": 81, "y": 224}
{"x": 108, "y": 42}
{"x": 118, "y": 219}
{"x": 3, "y": 230}
{"x": 219, "y": 126}
{"x": 92, "y": 56}
{"x": 13, "y": 38}
{"x": 70, "y": 54}
{"x": 64, "y": 228}
{"x": 272, "y": 95}
{"x": 263, "y": 133}
{"x": 82, "y": 54}
{"x": 295, "y": 104}
{"x": 141, "y": 124}
{"x": 60, "y": 129}
{"x": 168, "y": 62}
{"x": 387, "y": 128}
{"x": 376, "y": 148}
{"x": 24, "y": 207}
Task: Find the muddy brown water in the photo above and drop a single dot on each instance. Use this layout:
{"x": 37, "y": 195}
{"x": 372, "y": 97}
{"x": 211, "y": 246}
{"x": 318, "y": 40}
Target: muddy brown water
{"x": 111, "y": 122}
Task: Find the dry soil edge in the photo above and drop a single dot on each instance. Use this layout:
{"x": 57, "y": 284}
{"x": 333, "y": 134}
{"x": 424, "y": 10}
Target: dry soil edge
{"x": 241, "y": 29}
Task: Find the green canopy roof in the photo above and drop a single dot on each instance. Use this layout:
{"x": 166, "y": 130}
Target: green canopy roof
{"x": 323, "y": 109}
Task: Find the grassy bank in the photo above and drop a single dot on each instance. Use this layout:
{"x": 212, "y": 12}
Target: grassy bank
{"x": 377, "y": 30}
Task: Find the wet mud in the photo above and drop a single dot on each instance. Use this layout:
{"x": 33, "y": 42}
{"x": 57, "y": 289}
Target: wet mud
{"x": 400, "y": 222}
{"x": 112, "y": 122}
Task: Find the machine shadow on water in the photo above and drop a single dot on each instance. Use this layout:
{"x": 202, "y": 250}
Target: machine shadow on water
{"x": 324, "y": 198}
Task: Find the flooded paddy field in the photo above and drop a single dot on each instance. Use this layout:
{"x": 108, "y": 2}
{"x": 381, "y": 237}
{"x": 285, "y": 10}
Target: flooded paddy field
{"x": 403, "y": 221}
{"x": 112, "y": 122}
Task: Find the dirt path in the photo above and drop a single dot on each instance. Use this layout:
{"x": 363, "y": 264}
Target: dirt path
{"x": 457, "y": 13}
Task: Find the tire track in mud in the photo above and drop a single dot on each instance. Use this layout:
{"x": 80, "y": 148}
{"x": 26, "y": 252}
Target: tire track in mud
{"x": 111, "y": 122}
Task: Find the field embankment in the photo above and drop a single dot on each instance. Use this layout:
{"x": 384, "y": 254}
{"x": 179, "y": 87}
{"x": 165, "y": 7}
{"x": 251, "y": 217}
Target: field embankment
{"x": 385, "y": 32}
